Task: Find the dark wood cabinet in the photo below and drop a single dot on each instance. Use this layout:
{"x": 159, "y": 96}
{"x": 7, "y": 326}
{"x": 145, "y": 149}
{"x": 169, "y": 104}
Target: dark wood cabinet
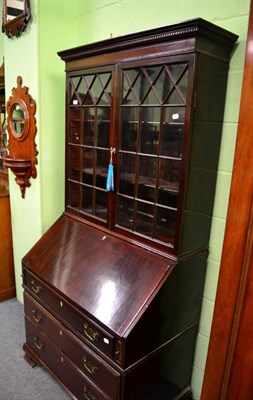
{"x": 113, "y": 289}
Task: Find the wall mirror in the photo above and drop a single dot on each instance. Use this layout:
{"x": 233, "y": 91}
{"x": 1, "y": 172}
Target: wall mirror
{"x": 18, "y": 120}
{"x": 16, "y": 14}
{"x": 21, "y": 127}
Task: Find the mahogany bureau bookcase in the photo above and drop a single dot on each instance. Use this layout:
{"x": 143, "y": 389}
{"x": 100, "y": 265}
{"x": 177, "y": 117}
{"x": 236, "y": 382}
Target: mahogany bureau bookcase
{"x": 112, "y": 291}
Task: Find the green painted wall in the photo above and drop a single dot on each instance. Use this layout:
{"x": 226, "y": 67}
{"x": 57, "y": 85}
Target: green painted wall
{"x": 55, "y": 32}
{"x": 33, "y": 56}
{"x": 57, "y": 25}
{"x": 21, "y": 58}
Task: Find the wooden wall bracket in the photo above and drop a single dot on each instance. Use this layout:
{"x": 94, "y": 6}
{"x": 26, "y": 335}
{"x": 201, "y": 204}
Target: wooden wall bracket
{"x": 21, "y": 127}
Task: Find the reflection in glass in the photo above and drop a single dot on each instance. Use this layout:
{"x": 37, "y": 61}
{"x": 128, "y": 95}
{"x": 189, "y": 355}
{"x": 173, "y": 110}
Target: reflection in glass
{"x": 125, "y": 212}
{"x": 88, "y": 126}
{"x": 146, "y": 179}
{"x": 18, "y": 119}
{"x": 73, "y": 84}
{"x": 101, "y": 204}
{"x": 102, "y": 160}
{"x": 165, "y": 225}
{"x": 167, "y": 197}
{"x": 144, "y": 219}
{"x": 129, "y": 128}
{"x": 169, "y": 173}
{"x": 74, "y": 163}
{"x": 156, "y": 85}
{"x": 87, "y": 200}
{"x": 73, "y": 194}
{"x": 172, "y": 130}
{"x": 149, "y": 129}
{"x": 127, "y": 174}
{"x": 88, "y": 166}
{"x": 14, "y": 9}
{"x": 103, "y": 126}
{"x": 75, "y": 119}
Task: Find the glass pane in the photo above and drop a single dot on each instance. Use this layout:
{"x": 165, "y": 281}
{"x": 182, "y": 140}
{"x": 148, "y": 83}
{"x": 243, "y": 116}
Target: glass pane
{"x": 85, "y": 89}
{"x": 129, "y": 128}
{"x": 144, "y": 219}
{"x": 132, "y": 86}
{"x": 87, "y": 199}
{"x": 74, "y": 162}
{"x": 103, "y": 126}
{"x": 151, "y": 97}
{"x": 75, "y": 119}
{"x": 89, "y": 79}
{"x": 150, "y": 124}
{"x": 151, "y": 92}
{"x": 99, "y": 92}
{"x": 165, "y": 225}
{"x": 125, "y": 212}
{"x": 172, "y": 131}
{"x": 169, "y": 172}
{"x": 73, "y": 195}
{"x": 146, "y": 181}
{"x": 74, "y": 81}
{"x": 82, "y": 90}
{"x": 163, "y": 84}
{"x": 183, "y": 84}
{"x": 102, "y": 162}
{"x": 176, "y": 91}
{"x": 88, "y": 166}
{"x": 101, "y": 204}
{"x": 174, "y": 98}
{"x": 88, "y": 126}
{"x": 175, "y": 71}
{"x": 105, "y": 81}
{"x": 127, "y": 174}
{"x": 167, "y": 197}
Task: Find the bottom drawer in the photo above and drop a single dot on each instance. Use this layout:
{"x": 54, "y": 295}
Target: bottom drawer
{"x": 92, "y": 366}
{"x": 61, "y": 366}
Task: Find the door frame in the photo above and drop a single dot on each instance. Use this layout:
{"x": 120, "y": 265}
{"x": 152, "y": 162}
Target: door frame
{"x": 230, "y": 349}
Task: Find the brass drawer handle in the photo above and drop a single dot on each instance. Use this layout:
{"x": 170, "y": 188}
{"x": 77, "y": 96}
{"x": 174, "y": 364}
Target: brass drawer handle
{"x": 90, "y": 333}
{"x": 92, "y": 369}
{"x": 36, "y": 287}
{"x": 38, "y": 318}
{"x": 38, "y": 343}
{"x": 88, "y": 395}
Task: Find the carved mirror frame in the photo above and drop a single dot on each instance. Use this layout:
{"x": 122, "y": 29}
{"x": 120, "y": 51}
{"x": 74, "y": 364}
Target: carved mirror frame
{"x": 15, "y": 17}
{"x": 21, "y": 127}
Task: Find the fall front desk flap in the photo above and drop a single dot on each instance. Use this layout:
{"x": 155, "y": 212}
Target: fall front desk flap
{"x": 110, "y": 279}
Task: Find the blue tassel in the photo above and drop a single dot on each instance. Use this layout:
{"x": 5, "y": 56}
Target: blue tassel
{"x": 110, "y": 179}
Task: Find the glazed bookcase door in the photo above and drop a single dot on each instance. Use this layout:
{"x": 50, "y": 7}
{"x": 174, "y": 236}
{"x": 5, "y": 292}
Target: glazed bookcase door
{"x": 154, "y": 107}
{"x": 89, "y": 105}
{"x": 149, "y": 132}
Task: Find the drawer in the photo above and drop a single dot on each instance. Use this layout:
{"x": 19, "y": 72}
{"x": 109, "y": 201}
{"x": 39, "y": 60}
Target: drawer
{"x": 83, "y": 326}
{"x": 61, "y": 367}
{"x": 96, "y": 369}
